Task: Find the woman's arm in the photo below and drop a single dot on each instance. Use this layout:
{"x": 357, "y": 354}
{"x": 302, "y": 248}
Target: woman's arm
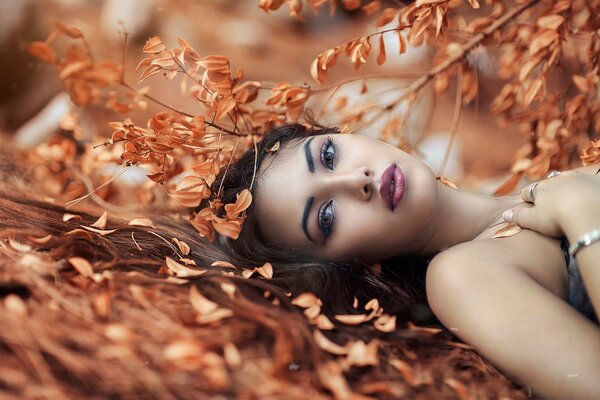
{"x": 568, "y": 205}
{"x": 480, "y": 294}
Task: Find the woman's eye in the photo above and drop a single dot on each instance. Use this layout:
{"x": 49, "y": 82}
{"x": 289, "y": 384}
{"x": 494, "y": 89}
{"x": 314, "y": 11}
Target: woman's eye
{"x": 328, "y": 153}
{"x": 327, "y": 219}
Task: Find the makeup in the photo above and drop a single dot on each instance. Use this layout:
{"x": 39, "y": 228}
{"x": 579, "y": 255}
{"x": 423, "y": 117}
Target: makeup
{"x": 393, "y": 185}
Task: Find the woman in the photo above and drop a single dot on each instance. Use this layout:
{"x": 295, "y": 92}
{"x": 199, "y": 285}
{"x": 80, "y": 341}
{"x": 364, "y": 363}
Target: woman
{"x": 354, "y": 200}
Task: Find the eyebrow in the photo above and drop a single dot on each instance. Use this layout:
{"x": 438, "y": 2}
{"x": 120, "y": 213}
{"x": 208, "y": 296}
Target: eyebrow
{"x": 307, "y": 207}
{"x": 308, "y": 154}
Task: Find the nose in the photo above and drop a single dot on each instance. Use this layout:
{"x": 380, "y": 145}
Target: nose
{"x": 357, "y": 182}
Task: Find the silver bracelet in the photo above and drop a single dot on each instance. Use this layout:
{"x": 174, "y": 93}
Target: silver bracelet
{"x": 584, "y": 241}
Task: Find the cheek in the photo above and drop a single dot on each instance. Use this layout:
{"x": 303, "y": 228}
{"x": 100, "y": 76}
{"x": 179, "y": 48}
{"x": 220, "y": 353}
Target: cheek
{"x": 366, "y": 234}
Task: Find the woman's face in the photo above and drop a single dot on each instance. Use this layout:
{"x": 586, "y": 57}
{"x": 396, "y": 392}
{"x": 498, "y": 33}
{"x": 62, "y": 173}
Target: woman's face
{"x": 345, "y": 197}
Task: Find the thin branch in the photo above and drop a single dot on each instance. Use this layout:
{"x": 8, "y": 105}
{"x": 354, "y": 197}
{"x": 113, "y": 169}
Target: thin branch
{"x": 417, "y": 85}
{"x": 455, "y": 119}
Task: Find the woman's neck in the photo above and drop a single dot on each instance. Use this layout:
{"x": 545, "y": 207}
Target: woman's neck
{"x": 462, "y": 217}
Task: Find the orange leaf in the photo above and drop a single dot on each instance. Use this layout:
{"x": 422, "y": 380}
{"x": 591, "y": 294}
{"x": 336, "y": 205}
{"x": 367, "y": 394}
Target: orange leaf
{"x": 381, "y": 53}
{"x": 352, "y": 319}
{"x": 243, "y": 201}
{"x": 68, "y": 217}
{"x": 508, "y": 186}
{"x": 42, "y": 51}
{"x": 230, "y": 229}
{"x": 181, "y": 270}
{"x": 328, "y": 345}
{"x": 223, "y": 264}
{"x": 82, "y": 266}
{"x": 101, "y": 222}
{"x": 266, "y": 271}
{"x": 508, "y": 230}
{"x": 154, "y": 45}
{"x": 142, "y": 222}
{"x": 99, "y": 231}
{"x": 69, "y": 30}
{"x": 386, "y": 17}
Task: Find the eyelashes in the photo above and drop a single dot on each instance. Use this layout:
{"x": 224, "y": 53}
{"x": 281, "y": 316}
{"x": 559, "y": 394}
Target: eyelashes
{"x": 327, "y": 219}
{"x": 326, "y": 216}
{"x": 328, "y": 153}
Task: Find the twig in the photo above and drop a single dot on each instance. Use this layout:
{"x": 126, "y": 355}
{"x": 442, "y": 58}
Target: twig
{"x": 455, "y": 119}
{"x": 417, "y": 85}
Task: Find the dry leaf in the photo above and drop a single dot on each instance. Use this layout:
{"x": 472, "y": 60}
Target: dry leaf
{"x": 68, "y": 217}
{"x": 223, "y": 264}
{"x": 266, "y": 271}
{"x": 385, "y": 323}
{"x": 183, "y": 246}
{"x": 82, "y": 266}
{"x": 147, "y": 222}
{"x": 101, "y": 222}
{"x": 181, "y": 270}
{"x": 448, "y": 182}
{"x": 352, "y": 319}
{"x": 508, "y": 230}
{"x": 98, "y": 231}
{"x": 328, "y": 345}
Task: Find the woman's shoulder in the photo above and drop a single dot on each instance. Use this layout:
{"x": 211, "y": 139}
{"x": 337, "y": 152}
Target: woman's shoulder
{"x": 537, "y": 255}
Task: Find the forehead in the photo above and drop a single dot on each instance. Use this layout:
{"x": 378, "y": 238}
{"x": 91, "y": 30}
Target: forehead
{"x": 283, "y": 184}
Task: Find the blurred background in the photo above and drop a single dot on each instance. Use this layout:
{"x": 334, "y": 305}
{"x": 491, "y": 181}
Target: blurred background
{"x": 270, "y": 47}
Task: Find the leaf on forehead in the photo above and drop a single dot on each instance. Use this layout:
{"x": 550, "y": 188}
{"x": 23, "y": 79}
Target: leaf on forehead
{"x": 82, "y": 266}
{"x": 147, "y": 222}
{"x": 328, "y": 345}
{"x": 101, "y": 222}
{"x": 509, "y": 230}
{"x": 99, "y": 231}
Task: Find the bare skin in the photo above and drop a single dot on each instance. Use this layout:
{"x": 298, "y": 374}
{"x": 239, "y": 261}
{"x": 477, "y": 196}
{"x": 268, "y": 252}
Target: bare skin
{"x": 506, "y": 297}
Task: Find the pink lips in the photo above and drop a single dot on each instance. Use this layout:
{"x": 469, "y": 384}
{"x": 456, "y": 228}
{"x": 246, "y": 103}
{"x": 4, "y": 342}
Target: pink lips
{"x": 392, "y": 186}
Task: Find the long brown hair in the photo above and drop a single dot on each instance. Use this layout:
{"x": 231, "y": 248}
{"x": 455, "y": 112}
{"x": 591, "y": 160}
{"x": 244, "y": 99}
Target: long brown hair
{"x": 130, "y": 329}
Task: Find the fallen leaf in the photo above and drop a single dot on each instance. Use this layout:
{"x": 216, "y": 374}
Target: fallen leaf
{"x": 68, "y": 217}
{"x": 266, "y": 271}
{"x": 352, "y": 319}
{"x": 98, "y": 231}
{"x": 223, "y": 264}
{"x": 183, "y": 246}
{"x": 147, "y": 222}
{"x": 328, "y": 345}
{"x": 101, "y": 222}
{"x": 82, "y": 266}
{"x": 181, "y": 270}
{"x": 508, "y": 230}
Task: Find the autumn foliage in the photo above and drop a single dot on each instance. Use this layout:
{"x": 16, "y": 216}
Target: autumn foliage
{"x": 546, "y": 60}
